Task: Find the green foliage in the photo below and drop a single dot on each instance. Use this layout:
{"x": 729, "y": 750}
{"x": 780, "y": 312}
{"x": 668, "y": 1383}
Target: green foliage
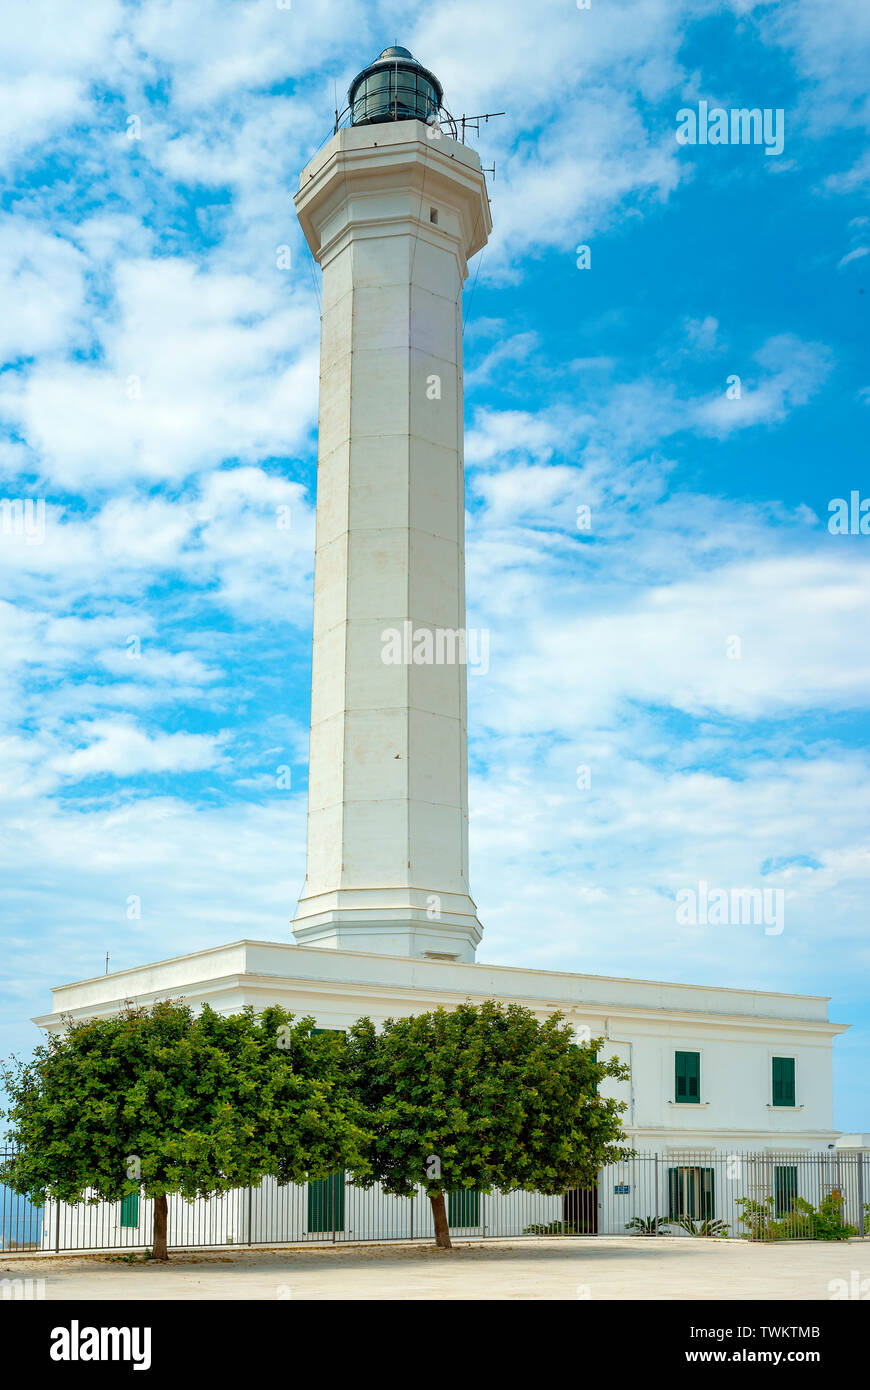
{"x": 500, "y": 1100}
{"x": 554, "y": 1228}
{"x": 204, "y": 1104}
{"x": 709, "y": 1226}
{"x": 647, "y": 1225}
{"x": 756, "y": 1216}
{"x": 803, "y": 1222}
{"x": 827, "y": 1220}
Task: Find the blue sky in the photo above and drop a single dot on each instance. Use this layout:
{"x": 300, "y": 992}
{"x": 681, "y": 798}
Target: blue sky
{"x": 160, "y": 395}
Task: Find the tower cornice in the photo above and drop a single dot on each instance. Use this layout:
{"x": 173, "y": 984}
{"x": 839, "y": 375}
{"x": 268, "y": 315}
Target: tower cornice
{"x": 371, "y": 175}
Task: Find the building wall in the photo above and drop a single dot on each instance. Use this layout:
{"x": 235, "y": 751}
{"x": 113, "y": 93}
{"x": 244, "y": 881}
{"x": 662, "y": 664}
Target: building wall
{"x": 643, "y": 1022}
{"x": 736, "y": 1081}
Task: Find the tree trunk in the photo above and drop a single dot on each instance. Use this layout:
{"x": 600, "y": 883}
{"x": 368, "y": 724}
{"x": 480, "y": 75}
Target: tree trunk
{"x": 442, "y": 1229}
{"x": 158, "y": 1250}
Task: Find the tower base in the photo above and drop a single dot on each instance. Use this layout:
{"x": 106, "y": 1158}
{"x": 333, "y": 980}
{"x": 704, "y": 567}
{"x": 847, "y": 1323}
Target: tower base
{"x": 402, "y": 922}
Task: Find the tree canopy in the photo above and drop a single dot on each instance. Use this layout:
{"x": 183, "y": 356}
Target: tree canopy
{"x": 485, "y": 1097}
{"x": 160, "y": 1101}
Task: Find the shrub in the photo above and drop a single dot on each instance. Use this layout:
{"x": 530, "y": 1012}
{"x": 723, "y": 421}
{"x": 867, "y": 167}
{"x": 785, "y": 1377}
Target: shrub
{"x": 803, "y": 1222}
{"x": 647, "y": 1225}
{"x": 710, "y": 1226}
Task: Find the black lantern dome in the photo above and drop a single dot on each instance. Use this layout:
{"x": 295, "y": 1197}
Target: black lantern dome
{"x": 395, "y": 87}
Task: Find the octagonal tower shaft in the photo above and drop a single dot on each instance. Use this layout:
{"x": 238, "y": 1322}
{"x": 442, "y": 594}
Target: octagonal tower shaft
{"x": 393, "y": 216}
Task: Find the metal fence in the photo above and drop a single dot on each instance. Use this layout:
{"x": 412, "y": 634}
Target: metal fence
{"x": 21, "y": 1223}
{"x": 756, "y": 1196}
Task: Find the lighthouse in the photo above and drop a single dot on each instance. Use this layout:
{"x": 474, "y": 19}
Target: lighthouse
{"x": 393, "y": 209}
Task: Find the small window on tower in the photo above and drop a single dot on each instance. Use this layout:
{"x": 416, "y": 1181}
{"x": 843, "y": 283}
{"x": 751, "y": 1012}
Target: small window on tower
{"x": 433, "y": 215}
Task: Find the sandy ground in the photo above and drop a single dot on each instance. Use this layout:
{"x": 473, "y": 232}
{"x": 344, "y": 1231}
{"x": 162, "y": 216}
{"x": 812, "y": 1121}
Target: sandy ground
{"x": 597, "y": 1268}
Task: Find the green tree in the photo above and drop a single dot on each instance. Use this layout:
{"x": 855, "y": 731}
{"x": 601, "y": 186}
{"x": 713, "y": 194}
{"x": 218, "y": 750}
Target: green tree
{"x": 161, "y": 1102}
{"x": 482, "y": 1097}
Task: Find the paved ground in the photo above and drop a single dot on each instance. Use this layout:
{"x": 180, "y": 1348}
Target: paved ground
{"x": 597, "y": 1268}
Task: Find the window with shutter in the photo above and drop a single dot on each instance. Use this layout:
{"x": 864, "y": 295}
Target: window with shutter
{"x": 326, "y": 1195}
{"x": 463, "y": 1208}
{"x": 783, "y": 1081}
{"x": 785, "y": 1187}
{"x": 687, "y": 1077}
{"x": 326, "y": 1205}
{"x": 691, "y": 1192}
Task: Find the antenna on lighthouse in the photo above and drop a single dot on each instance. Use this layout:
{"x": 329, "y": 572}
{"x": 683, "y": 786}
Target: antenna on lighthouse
{"x": 476, "y": 120}
{"x": 396, "y": 87}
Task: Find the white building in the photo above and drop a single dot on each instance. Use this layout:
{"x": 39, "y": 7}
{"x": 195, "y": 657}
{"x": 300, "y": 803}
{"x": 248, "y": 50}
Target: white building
{"x": 393, "y": 208}
{"x": 744, "y": 1047}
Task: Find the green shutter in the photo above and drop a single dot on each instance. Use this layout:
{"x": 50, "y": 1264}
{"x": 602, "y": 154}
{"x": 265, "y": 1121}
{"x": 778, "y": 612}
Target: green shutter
{"x": 708, "y": 1193}
{"x": 785, "y": 1187}
{"x": 326, "y": 1204}
{"x": 326, "y": 1195}
{"x": 788, "y": 1085}
{"x": 463, "y": 1208}
{"x": 130, "y": 1209}
{"x": 675, "y": 1193}
{"x": 783, "y": 1081}
{"x": 687, "y": 1077}
{"x": 692, "y": 1192}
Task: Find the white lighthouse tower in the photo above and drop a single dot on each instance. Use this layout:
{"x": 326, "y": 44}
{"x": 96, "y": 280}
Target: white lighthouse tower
{"x": 393, "y": 209}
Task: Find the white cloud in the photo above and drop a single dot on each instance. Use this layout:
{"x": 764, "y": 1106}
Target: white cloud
{"x": 671, "y": 647}
{"x": 120, "y": 749}
{"x": 42, "y": 288}
{"x": 242, "y": 533}
{"x": 575, "y": 145}
{"x": 515, "y": 348}
{"x": 532, "y": 492}
{"x": 51, "y": 53}
{"x": 69, "y": 871}
{"x": 855, "y": 255}
{"x": 792, "y": 372}
{"x": 197, "y": 367}
{"x": 601, "y": 866}
{"x": 850, "y": 180}
{"x": 495, "y": 433}
{"x": 702, "y": 335}
{"x": 830, "y": 46}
